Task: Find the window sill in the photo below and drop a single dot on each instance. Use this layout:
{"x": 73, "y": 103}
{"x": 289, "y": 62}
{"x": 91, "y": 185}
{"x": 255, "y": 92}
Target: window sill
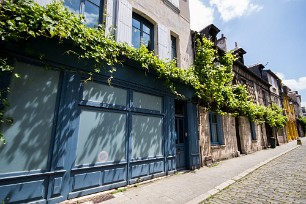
{"x": 218, "y": 146}
{"x": 254, "y": 141}
{"x": 170, "y": 5}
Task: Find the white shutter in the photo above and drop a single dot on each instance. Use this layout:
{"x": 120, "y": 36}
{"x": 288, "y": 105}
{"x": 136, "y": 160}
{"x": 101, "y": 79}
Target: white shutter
{"x": 163, "y": 42}
{"x": 124, "y": 22}
{"x": 109, "y": 18}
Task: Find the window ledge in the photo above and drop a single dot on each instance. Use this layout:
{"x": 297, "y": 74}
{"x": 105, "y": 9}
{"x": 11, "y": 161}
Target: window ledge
{"x": 217, "y": 146}
{"x": 254, "y": 141}
{"x": 170, "y": 5}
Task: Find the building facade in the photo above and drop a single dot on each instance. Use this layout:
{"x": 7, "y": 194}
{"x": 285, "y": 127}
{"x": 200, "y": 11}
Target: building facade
{"x": 276, "y": 98}
{"x": 251, "y": 136}
{"x": 291, "y": 128}
{"x": 73, "y": 136}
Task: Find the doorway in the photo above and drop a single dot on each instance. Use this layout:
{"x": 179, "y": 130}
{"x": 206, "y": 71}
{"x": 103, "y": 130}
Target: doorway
{"x": 181, "y": 134}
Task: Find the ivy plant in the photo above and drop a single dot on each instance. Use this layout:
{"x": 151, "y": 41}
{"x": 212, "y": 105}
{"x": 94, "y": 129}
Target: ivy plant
{"x": 211, "y": 75}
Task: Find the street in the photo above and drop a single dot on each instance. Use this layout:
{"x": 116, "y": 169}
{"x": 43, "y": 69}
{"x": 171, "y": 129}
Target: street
{"x": 282, "y": 180}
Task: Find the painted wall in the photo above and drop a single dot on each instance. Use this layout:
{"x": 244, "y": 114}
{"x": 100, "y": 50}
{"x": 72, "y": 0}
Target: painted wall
{"x": 75, "y": 161}
{"x": 178, "y": 23}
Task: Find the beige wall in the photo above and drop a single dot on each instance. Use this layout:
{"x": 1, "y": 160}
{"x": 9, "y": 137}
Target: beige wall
{"x": 157, "y": 12}
{"x": 247, "y": 144}
{"x": 211, "y": 153}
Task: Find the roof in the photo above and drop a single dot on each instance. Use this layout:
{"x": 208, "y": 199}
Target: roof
{"x": 210, "y": 30}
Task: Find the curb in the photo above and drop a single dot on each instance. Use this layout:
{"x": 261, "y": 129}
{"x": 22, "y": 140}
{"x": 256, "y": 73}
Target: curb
{"x": 225, "y": 184}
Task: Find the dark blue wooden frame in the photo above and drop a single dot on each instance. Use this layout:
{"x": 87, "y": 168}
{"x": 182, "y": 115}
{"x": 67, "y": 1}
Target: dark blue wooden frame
{"x": 63, "y": 179}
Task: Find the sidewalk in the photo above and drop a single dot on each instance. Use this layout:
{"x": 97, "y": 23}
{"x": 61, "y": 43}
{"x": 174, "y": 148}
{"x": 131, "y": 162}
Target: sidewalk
{"x": 196, "y": 186}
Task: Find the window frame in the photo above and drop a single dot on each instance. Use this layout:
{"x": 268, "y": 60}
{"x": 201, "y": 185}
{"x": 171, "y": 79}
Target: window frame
{"x": 219, "y": 128}
{"x": 147, "y": 23}
{"x": 82, "y": 6}
{"x": 253, "y": 131}
{"x": 173, "y": 55}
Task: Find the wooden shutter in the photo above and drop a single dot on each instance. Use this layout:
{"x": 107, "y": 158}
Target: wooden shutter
{"x": 109, "y": 17}
{"x": 220, "y": 130}
{"x": 210, "y": 127}
{"x": 253, "y": 130}
{"x": 163, "y": 42}
{"x": 124, "y": 22}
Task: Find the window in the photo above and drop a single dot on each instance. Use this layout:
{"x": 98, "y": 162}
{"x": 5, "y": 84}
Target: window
{"x": 91, "y": 9}
{"x": 173, "y": 48}
{"x": 216, "y": 132}
{"x": 142, "y": 33}
{"x": 253, "y": 130}
{"x": 173, "y": 4}
{"x": 102, "y": 132}
{"x": 179, "y": 122}
{"x": 28, "y": 138}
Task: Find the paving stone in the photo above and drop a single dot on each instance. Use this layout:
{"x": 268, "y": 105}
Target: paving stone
{"x": 282, "y": 180}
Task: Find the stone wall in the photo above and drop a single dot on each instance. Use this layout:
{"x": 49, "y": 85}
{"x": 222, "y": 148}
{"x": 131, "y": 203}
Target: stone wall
{"x": 211, "y": 153}
{"x": 248, "y": 145}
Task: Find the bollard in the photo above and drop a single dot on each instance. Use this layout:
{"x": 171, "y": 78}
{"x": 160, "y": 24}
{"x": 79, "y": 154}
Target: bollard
{"x": 299, "y": 141}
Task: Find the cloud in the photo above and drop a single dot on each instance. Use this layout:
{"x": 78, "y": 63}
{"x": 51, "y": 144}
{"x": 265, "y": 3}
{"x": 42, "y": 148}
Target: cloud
{"x": 296, "y": 84}
{"x": 200, "y": 15}
{"x": 280, "y": 75}
{"x": 303, "y": 104}
{"x": 230, "y": 9}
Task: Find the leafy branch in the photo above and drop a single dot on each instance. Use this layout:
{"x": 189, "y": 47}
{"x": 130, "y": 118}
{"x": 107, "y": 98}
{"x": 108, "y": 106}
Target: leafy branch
{"x": 211, "y": 75}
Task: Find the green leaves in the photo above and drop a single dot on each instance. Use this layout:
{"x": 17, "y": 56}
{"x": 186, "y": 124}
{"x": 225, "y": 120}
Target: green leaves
{"x": 211, "y": 75}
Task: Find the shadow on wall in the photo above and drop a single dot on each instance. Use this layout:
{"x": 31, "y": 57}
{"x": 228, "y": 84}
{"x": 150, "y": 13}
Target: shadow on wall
{"x": 32, "y": 101}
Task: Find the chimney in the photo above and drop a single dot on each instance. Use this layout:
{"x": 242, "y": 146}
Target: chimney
{"x": 236, "y": 45}
{"x": 221, "y": 43}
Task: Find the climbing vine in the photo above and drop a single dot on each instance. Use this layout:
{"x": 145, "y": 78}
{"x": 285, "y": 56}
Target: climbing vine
{"x": 211, "y": 75}
{"x": 302, "y": 121}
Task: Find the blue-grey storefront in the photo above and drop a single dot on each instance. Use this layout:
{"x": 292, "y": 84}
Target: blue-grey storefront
{"x": 73, "y": 136}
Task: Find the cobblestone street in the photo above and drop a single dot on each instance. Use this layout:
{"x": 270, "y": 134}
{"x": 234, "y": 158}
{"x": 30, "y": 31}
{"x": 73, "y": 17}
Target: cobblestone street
{"x": 282, "y": 180}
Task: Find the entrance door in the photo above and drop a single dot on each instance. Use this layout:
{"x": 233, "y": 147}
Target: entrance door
{"x": 238, "y": 135}
{"x": 181, "y": 134}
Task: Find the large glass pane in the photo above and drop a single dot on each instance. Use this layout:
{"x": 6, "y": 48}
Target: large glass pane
{"x": 136, "y": 38}
{"x": 147, "y": 136}
{"x": 146, "y": 41}
{"x": 104, "y": 94}
{"x": 146, "y": 29}
{"x": 179, "y": 127}
{"x": 97, "y": 2}
{"x": 136, "y": 23}
{"x": 146, "y": 101}
{"x": 32, "y": 102}
{"x": 101, "y": 137}
{"x": 73, "y": 6}
{"x": 91, "y": 14}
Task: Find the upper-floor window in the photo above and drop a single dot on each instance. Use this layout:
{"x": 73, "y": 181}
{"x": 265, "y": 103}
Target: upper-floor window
{"x": 142, "y": 33}
{"x": 173, "y": 48}
{"x": 173, "y": 4}
{"x": 92, "y": 10}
